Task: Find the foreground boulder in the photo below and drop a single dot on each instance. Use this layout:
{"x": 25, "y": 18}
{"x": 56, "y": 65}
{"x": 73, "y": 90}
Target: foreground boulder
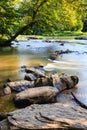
{"x": 39, "y": 95}
{"x": 45, "y": 94}
{"x": 50, "y": 116}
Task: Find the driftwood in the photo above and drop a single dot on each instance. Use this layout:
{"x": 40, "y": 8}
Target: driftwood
{"x": 38, "y": 95}
{"x": 79, "y": 102}
{"x": 45, "y": 117}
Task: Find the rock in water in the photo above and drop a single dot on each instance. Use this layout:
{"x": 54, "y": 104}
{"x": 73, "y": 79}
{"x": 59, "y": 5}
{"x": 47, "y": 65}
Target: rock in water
{"x": 37, "y": 95}
{"x": 30, "y": 77}
{"x": 64, "y": 81}
{"x": 37, "y": 72}
{"x": 19, "y": 86}
{"x": 45, "y": 117}
{"x": 44, "y": 81}
{"x": 7, "y": 90}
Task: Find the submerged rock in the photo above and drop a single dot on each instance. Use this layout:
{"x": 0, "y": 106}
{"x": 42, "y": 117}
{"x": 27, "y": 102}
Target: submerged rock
{"x": 49, "y": 116}
{"x": 55, "y": 54}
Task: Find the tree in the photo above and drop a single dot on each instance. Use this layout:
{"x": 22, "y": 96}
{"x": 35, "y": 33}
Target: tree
{"x": 40, "y": 16}
{"x": 8, "y": 17}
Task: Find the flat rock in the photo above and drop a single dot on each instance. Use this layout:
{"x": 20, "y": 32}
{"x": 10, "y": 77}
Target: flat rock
{"x": 49, "y": 116}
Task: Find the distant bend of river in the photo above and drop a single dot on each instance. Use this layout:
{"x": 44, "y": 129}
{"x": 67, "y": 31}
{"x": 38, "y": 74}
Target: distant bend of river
{"x": 36, "y": 52}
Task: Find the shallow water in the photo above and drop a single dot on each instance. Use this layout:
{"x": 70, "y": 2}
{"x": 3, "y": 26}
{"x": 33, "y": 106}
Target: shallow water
{"x": 36, "y": 52}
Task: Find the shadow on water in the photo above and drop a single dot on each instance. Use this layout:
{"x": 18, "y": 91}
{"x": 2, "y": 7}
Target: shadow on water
{"x": 36, "y": 52}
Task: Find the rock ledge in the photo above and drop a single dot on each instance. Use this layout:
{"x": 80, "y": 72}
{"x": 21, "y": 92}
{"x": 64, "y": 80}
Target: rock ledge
{"x": 48, "y": 116}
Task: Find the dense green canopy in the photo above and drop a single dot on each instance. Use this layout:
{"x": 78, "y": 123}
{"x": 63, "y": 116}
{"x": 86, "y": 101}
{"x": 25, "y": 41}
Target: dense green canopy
{"x": 40, "y": 16}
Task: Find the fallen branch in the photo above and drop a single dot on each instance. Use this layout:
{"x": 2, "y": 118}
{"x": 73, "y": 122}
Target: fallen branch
{"x": 79, "y": 102}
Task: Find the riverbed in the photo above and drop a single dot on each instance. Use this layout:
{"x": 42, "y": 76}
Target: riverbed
{"x": 35, "y": 52}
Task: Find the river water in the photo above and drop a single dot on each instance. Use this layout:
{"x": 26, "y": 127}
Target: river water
{"x": 36, "y": 52}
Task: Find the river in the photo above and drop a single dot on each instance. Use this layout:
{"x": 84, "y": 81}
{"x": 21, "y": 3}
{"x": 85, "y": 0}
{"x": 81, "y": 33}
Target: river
{"x": 36, "y": 52}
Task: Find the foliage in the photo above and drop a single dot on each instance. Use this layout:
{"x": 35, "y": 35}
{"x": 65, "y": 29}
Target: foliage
{"x": 8, "y": 17}
{"x": 41, "y": 16}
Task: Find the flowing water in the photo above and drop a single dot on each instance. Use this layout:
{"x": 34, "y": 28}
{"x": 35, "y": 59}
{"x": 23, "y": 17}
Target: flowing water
{"x": 36, "y": 52}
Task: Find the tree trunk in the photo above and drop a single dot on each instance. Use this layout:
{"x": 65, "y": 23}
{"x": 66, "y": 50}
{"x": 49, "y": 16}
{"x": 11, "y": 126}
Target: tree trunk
{"x": 8, "y": 42}
{"x": 35, "y": 11}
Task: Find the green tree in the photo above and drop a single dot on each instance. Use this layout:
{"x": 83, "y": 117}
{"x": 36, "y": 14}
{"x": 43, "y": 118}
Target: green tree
{"x": 40, "y": 16}
{"x": 8, "y": 17}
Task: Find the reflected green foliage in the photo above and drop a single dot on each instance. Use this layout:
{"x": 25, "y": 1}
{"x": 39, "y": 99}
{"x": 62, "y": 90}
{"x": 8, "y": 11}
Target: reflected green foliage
{"x": 40, "y": 16}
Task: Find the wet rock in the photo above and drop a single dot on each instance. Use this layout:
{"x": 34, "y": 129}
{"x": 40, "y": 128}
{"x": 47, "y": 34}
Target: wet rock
{"x": 44, "y": 81}
{"x": 3, "y": 116}
{"x": 19, "y": 86}
{"x": 23, "y": 66}
{"x": 55, "y": 40}
{"x": 30, "y": 77}
{"x": 35, "y": 95}
{"x": 70, "y": 81}
{"x": 39, "y": 95}
{"x": 61, "y": 44}
{"x": 55, "y": 54}
{"x": 49, "y": 116}
{"x": 7, "y": 90}
{"x": 37, "y": 72}
{"x": 8, "y": 80}
{"x": 64, "y": 81}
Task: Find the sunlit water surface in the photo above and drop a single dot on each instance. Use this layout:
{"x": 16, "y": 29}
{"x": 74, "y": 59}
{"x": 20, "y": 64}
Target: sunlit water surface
{"x": 36, "y": 52}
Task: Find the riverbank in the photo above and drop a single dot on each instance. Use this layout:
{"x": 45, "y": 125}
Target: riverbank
{"x": 56, "y": 35}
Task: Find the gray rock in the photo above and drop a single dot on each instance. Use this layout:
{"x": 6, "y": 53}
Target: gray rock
{"x": 7, "y": 90}
{"x": 49, "y": 116}
{"x": 44, "y": 81}
{"x": 19, "y": 86}
{"x": 40, "y": 95}
{"x": 64, "y": 81}
{"x": 30, "y": 77}
{"x": 36, "y": 71}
